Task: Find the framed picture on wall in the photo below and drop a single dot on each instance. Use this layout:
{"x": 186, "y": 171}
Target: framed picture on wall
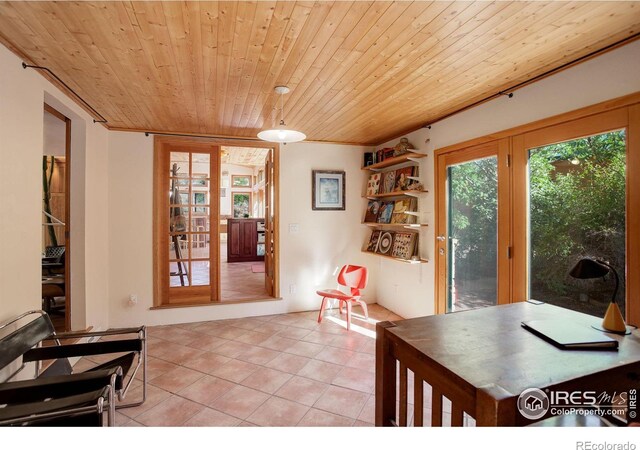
{"x": 328, "y": 190}
{"x": 241, "y": 202}
{"x": 241, "y": 181}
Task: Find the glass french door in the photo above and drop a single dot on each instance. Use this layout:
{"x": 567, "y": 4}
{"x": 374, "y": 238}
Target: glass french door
{"x": 187, "y": 224}
{"x": 473, "y": 240}
{"x": 572, "y": 203}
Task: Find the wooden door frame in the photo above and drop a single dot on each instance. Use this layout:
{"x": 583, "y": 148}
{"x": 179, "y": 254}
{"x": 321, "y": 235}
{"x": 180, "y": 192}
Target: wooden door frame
{"x": 560, "y": 126}
{"x": 160, "y": 142}
{"x": 67, "y": 213}
{"x": 499, "y": 149}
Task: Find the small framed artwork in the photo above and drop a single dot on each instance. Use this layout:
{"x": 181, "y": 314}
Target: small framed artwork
{"x": 241, "y": 181}
{"x": 241, "y": 204}
{"x": 328, "y": 190}
{"x": 200, "y": 180}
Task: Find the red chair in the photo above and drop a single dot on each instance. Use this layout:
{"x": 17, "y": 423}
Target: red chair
{"x": 354, "y": 277}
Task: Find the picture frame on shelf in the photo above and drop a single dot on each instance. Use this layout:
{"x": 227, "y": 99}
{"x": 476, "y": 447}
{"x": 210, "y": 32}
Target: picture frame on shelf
{"x": 241, "y": 181}
{"x": 328, "y": 190}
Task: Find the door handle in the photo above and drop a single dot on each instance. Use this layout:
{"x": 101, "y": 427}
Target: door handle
{"x": 441, "y": 238}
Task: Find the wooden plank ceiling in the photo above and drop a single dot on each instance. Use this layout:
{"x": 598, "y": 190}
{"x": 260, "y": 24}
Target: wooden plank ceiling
{"x": 359, "y": 72}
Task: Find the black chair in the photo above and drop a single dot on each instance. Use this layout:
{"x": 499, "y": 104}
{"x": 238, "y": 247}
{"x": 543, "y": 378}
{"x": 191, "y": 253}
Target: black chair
{"x": 25, "y": 345}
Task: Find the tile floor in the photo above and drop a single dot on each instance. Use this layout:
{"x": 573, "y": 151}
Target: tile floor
{"x": 281, "y": 370}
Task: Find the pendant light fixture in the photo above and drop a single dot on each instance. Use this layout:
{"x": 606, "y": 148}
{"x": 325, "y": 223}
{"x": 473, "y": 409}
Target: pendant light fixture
{"x": 281, "y": 133}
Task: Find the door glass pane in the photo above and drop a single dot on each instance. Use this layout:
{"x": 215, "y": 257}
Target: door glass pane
{"x": 200, "y": 273}
{"x": 576, "y": 210}
{"x": 472, "y": 274}
{"x": 178, "y": 271}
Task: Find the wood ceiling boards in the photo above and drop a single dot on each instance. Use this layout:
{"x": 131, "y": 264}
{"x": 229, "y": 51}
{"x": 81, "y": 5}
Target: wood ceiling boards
{"x": 360, "y": 72}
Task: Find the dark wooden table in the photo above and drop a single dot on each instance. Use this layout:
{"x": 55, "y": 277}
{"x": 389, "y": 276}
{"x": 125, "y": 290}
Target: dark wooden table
{"x": 482, "y": 360}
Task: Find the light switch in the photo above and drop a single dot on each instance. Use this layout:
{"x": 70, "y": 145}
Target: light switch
{"x": 294, "y": 228}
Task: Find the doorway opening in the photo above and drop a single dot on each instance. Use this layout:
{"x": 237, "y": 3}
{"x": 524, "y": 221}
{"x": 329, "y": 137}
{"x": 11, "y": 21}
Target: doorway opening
{"x": 56, "y": 295}
{"x": 243, "y": 231}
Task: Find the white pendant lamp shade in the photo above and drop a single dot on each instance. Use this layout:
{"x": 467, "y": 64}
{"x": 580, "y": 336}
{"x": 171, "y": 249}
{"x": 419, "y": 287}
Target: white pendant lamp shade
{"x": 281, "y": 133}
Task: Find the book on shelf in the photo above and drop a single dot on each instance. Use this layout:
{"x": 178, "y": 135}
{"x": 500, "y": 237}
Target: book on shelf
{"x": 379, "y": 156}
{"x": 368, "y": 159}
{"x": 404, "y": 245}
{"x": 385, "y": 212}
{"x": 373, "y": 185}
{"x": 400, "y": 208}
{"x": 388, "y": 181}
{"x": 403, "y": 182}
{"x": 373, "y": 209}
{"x": 372, "y": 246}
{"x": 388, "y": 152}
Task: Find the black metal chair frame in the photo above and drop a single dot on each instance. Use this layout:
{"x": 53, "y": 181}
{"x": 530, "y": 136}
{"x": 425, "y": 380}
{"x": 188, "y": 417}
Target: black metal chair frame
{"x": 26, "y": 342}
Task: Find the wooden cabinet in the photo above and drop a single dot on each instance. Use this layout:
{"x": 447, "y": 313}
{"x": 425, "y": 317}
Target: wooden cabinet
{"x": 243, "y": 236}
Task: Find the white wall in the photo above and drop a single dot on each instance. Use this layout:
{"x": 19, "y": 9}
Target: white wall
{"x": 233, "y": 169}
{"x": 611, "y": 75}
{"x": 22, "y": 96}
{"x": 326, "y": 240}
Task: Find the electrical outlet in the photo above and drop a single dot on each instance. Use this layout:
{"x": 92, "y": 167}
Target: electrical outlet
{"x": 294, "y": 228}
{"x": 133, "y": 299}
{"x": 293, "y": 289}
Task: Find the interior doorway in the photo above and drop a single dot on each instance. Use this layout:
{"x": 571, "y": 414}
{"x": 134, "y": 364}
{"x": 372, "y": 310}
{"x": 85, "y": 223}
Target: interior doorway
{"x": 244, "y": 202}
{"x": 56, "y": 159}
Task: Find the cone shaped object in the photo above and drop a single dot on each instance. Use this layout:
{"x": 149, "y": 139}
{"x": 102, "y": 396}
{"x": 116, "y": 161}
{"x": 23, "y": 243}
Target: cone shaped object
{"x": 613, "y": 320}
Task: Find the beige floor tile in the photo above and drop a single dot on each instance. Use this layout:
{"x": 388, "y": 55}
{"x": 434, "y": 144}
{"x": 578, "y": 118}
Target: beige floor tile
{"x": 208, "y": 343}
{"x": 364, "y": 361}
{"x": 289, "y": 363}
{"x": 302, "y": 390}
{"x": 368, "y": 413}
{"x": 207, "y": 362}
{"x": 207, "y": 389}
{"x": 307, "y": 349}
{"x": 259, "y": 355}
{"x": 335, "y": 355}
{"x": 177, "y": 379}
{"x": 266, "y": 380}
{"x": 235, "y": 370}
{"x": 319, "y": 418}
{"x": 357, "y": 379}
{"x": 232, "y": 349}
{"x": 278, "y": 412}
{"x": 342, "y": 401}
{"x": 155, "y": 368}
{"x": 293, "y": 333}
{"x": 320, "y": 371}
{"x": 173, "y": 412}
{"x": 240, "y": 401}
{"x": 212, "y": 418}
{"x": 278, "y": 343}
